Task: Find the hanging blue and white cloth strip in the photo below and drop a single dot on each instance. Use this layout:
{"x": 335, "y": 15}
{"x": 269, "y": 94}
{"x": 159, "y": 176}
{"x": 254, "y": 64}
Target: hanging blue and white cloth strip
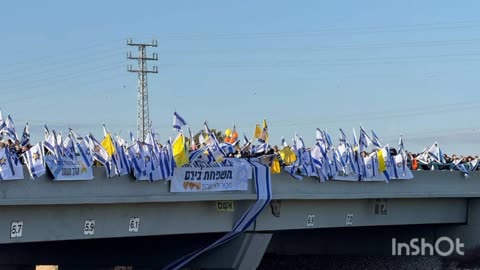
{"x": 263, "y": 185}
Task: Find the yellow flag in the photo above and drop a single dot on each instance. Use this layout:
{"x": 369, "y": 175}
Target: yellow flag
{"x": 381, "y": 161}
{"x": 275, "y": 169}
{"x": 107, "y": 143}
{"x": 257, "y": 132}
{"x": 265, "y": 128}
{"x": 287, "y": 155}
{"x": 180, "y": 154}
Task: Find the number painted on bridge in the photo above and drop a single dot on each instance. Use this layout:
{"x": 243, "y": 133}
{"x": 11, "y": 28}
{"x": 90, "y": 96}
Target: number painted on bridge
{"x": 310, "y": 220}
{"x": 89, "y": 227}
{"x": 349, "y": 220}
{"x": 134, "y": 224}
{"x": 380, "y": 207}
{"x": 16, "y": 229}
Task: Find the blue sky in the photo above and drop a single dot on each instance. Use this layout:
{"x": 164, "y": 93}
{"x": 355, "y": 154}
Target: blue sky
{"x": 407, "y": 67}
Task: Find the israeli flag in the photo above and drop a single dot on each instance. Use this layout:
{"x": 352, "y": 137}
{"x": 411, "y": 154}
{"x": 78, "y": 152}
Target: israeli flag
{"x": 6, "y": 166}
{"x": 261, "y": 148}
{"x": 60, "y": 142}
{"x": 227, "y": 148}
{"x": 401, "y": 148}
{"x": 435, "y": 153}
{"x": 25, "y": 136}
{"x": 34, "y": 159}
{"x": 10, "y": 128}
{"x": 178, "y": 121}
{"x": 375, "y": 140}
{"x": 370, "y": 168}
{"x": 319, "y": 162}
{"x": 319, "y": 135}
{"x": 2, "y": 125}
{"x": 473, "y": 164}
{"x": 101, "y": 155}
{"x": 85, "y": 153}
{"x": 364, "y": 140}
{"x": 329, "y": 140}
{"x": 51, "y": 145}
{"x": 69, "y": 148}
{"x": 124, "y": 165}
{"x": 46, "y": 131}
{"x": 214, "y": 149}
{"x": 343, "y": 138}
{"x": 263, "y": 183}
{"x": 461, "y": 167}
{"x": 132, "y": 138}
{"x": 169, "y": 160}
{"x": 355, "y": 140}
{"x": 75, "y": 135}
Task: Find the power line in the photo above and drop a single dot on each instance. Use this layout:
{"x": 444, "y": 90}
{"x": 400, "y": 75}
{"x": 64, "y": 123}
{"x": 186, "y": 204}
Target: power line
{"x": 325, "y": 31}
{"x": 322, "y": 48}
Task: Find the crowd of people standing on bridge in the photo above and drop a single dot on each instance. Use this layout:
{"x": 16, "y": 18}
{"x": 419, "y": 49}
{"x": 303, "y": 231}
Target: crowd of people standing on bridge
{"x": 230, "y": 145}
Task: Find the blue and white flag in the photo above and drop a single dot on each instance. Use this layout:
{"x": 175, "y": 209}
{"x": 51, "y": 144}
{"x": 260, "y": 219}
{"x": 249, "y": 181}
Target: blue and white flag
{"x": 58, "y": 143}
{"x": 75, "y": 135}
{"x": 473, "y": 165}
{"x": 206, "y": 128}
{"x": 132, "y": 138}
{"x": 214, "y": 149}
{"x": 245, "y": 140}
{"x": 263, "y": 185}
{"x": 101, "y": 155}
{"x": 46, "y": 131}
{"x": 228, "y": 148}
{"x": 355, "y": 140}
{"x": 52, "y": 146}
{"x": 2, "y": 126}
{"x": 319, "y": 135}
{"x": 6, "y": 166}
{"x": 320, "y": 162}
{"x": 10, "y": 128}
{"x": 329, "y": 140}
{"x": 403, "y": 154}
{"x": 124, "y": 164}
{"x": 169, "y": 160}
{"x": 371, "y": 165}
{"x": 69, "y": 148}
{"x": 461, "y": 167}
{"x": 261, "y": 148}
{"x": 178, "y": 121}
{"x": 401, "y": 148}
{"x": 375, "y": 140}
{"x": 34, "y": 159}
{"x": 364, "y": 140}
{"x": 137, "y": 158}
{"x": 25, "y": 136}
{"x": 343, "y": 138}
{"x": 85, "y": 152}
{"x": 435, "y": 153}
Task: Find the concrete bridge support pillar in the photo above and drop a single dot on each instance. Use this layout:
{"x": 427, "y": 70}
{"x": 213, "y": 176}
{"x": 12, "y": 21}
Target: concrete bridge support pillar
{"x": 244, "y": 252}
{"x": 468, "y": 233}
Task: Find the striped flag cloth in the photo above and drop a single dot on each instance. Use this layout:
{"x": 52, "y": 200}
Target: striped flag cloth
{"x": 178, "y": 121}
{"x": 263, "y": 186}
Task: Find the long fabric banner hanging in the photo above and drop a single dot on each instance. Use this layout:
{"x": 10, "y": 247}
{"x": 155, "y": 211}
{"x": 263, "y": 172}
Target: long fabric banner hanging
{"x": 68, "y": 169}
{"x": 231, "y": 174}
{"x": 263, "y": 184}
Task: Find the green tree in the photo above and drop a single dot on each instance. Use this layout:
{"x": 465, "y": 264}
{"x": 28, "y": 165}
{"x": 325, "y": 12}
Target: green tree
{"x": 220, "y": 136}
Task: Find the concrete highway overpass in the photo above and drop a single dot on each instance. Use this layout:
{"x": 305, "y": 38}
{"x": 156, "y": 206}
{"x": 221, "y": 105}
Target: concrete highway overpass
{"x": 104, "y": 222}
